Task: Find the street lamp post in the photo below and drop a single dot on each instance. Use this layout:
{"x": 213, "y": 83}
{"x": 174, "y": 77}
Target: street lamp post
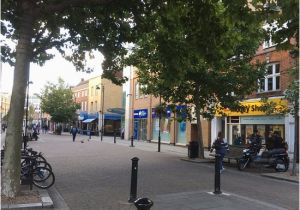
{"x": 102, "y": 109}
{"x": 26, "y": 114}
{"x": 131, "y": 116}
{"x": 159, "y": 124}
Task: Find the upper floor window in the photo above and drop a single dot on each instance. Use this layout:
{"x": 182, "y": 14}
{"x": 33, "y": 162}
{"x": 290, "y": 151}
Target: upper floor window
{"x": 271, "y": 82}
{"x": 268, "y": 43}
{"x": 137, "y": 90}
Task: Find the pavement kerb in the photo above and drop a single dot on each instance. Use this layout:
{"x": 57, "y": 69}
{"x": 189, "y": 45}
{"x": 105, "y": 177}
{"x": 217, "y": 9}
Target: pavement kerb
{"x": 277, "y": 175}
{"x": 46, "y": 202}
{"x": 295, "y": 180}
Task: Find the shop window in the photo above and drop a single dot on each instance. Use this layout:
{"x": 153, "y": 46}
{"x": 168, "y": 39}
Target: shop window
{"x": 271, "y": 82}
{"x": 234, "y": 119}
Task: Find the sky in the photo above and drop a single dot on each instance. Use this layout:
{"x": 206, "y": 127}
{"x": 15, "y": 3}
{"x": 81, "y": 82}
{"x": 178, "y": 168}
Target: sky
{"x": 51, "y": 71}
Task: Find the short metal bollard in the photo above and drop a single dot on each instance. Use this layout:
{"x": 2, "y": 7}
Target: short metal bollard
{"x": 217, "y": 174}
{"x": 133, "y": 186}
{"x": 131, "y": 139}
{"x": 143, "y": 204}
{"x": 115, "y": 136}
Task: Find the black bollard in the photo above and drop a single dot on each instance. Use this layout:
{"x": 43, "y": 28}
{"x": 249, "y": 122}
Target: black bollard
{"x": 131, "y": 141}
{"x": 217, "y": 174}
{"x": 25, "y": 140}
{"x": 133, "y": 186}
{"x": 143, "y": 204}
{"x": 115, "y": 135}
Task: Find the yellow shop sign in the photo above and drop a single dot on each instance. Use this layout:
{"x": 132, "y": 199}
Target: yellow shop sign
{"x": 254, "y": 108}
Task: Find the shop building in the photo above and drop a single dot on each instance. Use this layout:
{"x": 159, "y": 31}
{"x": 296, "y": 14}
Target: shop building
{"x": 80, "y": 96}
{"x": 243, "y": 122}
{"x": 143, "y": 121}
{"x": 98, "y": 97}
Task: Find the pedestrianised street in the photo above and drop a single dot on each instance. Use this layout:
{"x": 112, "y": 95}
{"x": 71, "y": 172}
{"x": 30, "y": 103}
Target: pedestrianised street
{"x": 96, "y": 175}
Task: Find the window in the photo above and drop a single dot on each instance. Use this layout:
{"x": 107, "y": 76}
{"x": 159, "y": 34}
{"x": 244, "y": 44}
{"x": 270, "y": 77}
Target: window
{"x": 271, "y": 82}
{"x": 85, "y": 106}
{"x": 137, "y": 91}
{"x": 92, "y": 91}
{"x": 268, "y": 43}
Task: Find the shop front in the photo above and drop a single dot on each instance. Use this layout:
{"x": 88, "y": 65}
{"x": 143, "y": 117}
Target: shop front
{"x": 140, "y": 124}
{"x": 238, "y": 126}
{"x": 165, "y": 126}
{"x": 181, "y": 125}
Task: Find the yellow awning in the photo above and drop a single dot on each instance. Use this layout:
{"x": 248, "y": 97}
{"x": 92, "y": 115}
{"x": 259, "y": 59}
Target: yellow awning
{"x": 251, "y": 108}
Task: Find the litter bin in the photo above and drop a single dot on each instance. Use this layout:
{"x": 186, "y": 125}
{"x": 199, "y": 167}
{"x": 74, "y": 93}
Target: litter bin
{"x": 143, "y": 203}
{"x": 193, "y": 149}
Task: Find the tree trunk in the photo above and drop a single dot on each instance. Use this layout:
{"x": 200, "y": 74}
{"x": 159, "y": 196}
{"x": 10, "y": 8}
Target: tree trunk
{"x": 199, "y": 134}
{"x": 13, "y": 141}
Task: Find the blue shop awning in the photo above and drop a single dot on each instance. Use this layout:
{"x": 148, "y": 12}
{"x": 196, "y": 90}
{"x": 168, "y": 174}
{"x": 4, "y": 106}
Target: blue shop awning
{"x": 89, "y": 120}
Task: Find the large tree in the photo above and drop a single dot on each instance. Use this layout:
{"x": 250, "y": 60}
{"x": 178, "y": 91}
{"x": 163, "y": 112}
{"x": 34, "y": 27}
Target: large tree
{"x": 199, "y": 53}
{"x": 74, "y": 28}
{"x": 57, "y": 101}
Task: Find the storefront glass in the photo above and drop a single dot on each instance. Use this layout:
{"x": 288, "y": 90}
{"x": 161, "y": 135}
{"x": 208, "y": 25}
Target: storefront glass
{"x": 165, "y": 127}
{"x": 181, "y": 132}
{"x": 140, "y": 124}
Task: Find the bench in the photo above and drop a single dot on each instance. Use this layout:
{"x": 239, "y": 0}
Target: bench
{"x": 235, "y": 152}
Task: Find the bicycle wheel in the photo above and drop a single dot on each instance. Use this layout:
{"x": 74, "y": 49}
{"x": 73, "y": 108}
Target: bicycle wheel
{"x": 43, "y": 164}
{"x": 43, "y": 177}
{"x": 40, "y": 174}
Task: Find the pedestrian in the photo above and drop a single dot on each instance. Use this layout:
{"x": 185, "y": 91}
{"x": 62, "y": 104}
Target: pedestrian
{"x": 278, "y": 141}
{"x": 255, "y": 141}
{"x": 46, "y": 129}
{"x": 221, "y": 147}
{"x": 74, "y": 131}
{"x": 269, "y": 141}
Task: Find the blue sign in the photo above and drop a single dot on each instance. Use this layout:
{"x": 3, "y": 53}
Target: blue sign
{"x": 154, "y": 114}
{"x": 140, "y": 113}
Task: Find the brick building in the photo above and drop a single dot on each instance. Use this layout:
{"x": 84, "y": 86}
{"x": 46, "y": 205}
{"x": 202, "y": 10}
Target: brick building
{"x": 276, "y": 81}
{"x": 143, "y": 124}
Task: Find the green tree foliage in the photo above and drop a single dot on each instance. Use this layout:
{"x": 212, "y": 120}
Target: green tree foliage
{"x": 73, "y": 28}
{"x": 57, "y": 100}
{"x": 283, "y": 19}
{"x": 198, "y": 53}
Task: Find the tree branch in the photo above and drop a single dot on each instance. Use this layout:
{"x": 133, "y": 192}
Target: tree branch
{"x": 63, "y": 5}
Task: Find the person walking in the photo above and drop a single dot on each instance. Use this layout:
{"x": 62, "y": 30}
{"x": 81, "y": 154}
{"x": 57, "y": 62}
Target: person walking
{"x": 221, "y": 147}
{"x": 74, "y": 131}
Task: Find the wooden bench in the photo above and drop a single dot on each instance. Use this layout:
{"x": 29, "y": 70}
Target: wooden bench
{"x": 235, "y": 152}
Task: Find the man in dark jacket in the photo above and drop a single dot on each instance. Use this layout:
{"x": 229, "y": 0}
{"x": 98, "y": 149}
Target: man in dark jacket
{"x": 74, "y": 131}
{"x": 277, "y": 140}
{"x": 255, "y": 141}
{"x": 221, "y": 148}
